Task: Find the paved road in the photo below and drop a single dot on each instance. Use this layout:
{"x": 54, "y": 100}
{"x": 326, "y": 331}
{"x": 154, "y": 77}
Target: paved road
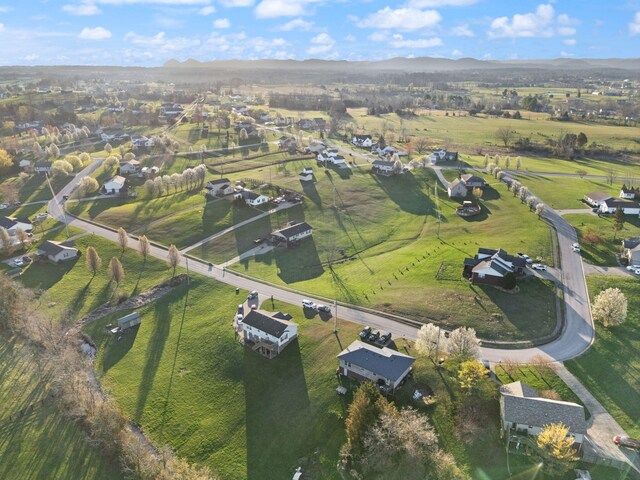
{"x": 617, "y": 271}
{"x": 571, "y": 211}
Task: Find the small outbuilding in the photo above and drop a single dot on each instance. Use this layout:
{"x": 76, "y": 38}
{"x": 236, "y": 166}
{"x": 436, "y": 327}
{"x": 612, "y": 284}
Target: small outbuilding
{"x": 129, "y": 321}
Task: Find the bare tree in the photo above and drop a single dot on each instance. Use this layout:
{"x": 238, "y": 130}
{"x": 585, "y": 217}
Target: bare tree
{"x": 505, "y": 135}
{"x": 421, "y": 145}
{"x": 144, "y": 246}
{"x": 116, "y": 271}
{"x": 6, "y": 242}
{"x": 123, "y": 238}
{"x": 22, "y": 237}
{"x": 93, "y": 260}
{"x": 173, "y": 257}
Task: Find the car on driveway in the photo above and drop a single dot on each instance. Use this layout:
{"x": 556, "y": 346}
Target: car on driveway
{"x": 637, "y": 271}
{"x": 365, "y": 332}
{"x": 252, "y": 295}
{"x": 526, "y": 257}
{"x": 627, "y": 442}
{"x": 575, "y": 247}
{"x": 309, "y": 304}
{"x": 633, "y": 267}
{"x": 324, "y": 308}
{"x": 539, "y": 266}
{"x": 374, "y": 337}
{"x": 17, "y": 262}
{"x": 384, "y": 339}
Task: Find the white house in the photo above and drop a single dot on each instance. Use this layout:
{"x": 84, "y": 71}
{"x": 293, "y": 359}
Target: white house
{"x": 473, "y": 181}
{"x": 631, "y": 250}
{"x": 58, "y": 252}
{"x": 42, "y": 167}
{"x": 306, "y": 175}
{"x": 142, "y": 142}
{"x": 293, "y": 233}
{"x": 12, "y": 225}
{"x": 383, "y": 167}
{"x": 130, "y": 167}
{"x": 610, "y": 205}
{"x": 267, "y": 334}
{"x": 328, "y": 154}
{"x": 252, "y": 199}
{"x": 364, "y": 141}
{"x": 388, "y": 150}
{"x": 385, "y": 367}
{"x": 219, "y": 187}
{"x": 629, "y": 193}
{"x": 24, "y": 164}
{"x": 442, "y": 156}
{"x": 457, "y": 189}
{"x": 595, "y": 199}
{"x": 115, "y": 184}
{"x": 523, "y": 411}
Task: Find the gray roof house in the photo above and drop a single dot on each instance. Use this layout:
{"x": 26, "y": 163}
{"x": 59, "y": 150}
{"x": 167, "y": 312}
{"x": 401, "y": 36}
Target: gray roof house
{"x": 595, "y": 199}
{"x": 385, "y": 367}
{"x": 631, "y": 250}
{"x": 473, "y": 181}
{"x": 219, "y": 187}
{"x": 457, "y": 189}
{"x": 267, "y": 334}
{"x": 58, "y": 252}
{"x": 490, "y": 266}
{"x": 524, "y": 411}
{"x": 293, "y": 233}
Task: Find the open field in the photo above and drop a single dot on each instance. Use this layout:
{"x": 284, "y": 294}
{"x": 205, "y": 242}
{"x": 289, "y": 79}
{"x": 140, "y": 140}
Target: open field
{"x": 382, "y": 241}
{"x": 40, "y": 442}
{"x": 611, "y": 368}
{"x": 566, "y": 193}
{"x": 30, "y": 189}
{"x": 596, "y": 236}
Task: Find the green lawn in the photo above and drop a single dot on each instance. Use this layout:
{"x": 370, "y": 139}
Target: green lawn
{"x": 40, "y": 443}
{"x": 611, "y": 368}
{"x": 565, "y": 193}
{"x": 596, "y": 236}
{"x": 32, "y": 188}
{"x": 387, "y": 231}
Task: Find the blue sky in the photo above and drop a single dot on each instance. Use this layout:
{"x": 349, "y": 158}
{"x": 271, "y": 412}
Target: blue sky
{"x": 149, "y": 32}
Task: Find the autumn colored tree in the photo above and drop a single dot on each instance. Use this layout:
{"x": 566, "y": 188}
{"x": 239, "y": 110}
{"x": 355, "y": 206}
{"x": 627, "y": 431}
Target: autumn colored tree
{"x": 93, "y": 260}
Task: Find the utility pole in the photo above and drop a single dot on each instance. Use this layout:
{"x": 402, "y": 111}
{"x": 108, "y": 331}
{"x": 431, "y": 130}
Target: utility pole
{"x": 335, "y": 316}
{"x": 55, "y": 199}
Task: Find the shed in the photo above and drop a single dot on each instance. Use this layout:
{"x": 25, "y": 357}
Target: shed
{"x": 129, "y": 321}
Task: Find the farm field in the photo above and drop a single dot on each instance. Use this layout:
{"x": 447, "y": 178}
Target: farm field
{"x": 596, "y": 236}
{"x": 563, "y": 193}
{"x": 27, "y": 449}
{"x": 376, "y": 267}
{"x": 611, "y": 368}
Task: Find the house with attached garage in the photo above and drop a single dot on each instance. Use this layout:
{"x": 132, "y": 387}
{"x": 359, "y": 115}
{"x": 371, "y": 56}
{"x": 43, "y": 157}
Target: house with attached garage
{"x": 306, "y": 175}
{"x": 457, "y": 189}
{"x": 57, "y": 252}
{"x": 131, "y": 167}
{"x": 630, "y": 193}
{"x": 489, "y": 267}
{"x": 12, "y": 225}
{"x": 473, "y": 181}
{"x": 523, "y": 412}
{"x": 292, "y": 233}
{"x": 595, "y": 199}
{"x": 385, "y": 367}
{"x": 610, "y": 205}
{"x": 364, "y": 141}
{"x": 383, "y": 167}
{"x": 252, "y": 199}
{"x": 331, "y": 156}
{"x": 115, "y": 184}
{"x": 219, "y": 187}
{"x": 265, "y": 333}
{"x": 443, "y": 156}
{"x": 631, "y": 250}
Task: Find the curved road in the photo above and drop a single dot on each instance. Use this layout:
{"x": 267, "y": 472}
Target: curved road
{"x": 577, "y": 336}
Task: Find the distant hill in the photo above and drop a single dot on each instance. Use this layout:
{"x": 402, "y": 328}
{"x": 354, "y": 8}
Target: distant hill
{"x": 419, "y": 64}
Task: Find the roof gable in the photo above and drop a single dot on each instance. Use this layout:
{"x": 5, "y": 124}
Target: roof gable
{"x": 265, "y": 323}
{"x": 384, "y": 362}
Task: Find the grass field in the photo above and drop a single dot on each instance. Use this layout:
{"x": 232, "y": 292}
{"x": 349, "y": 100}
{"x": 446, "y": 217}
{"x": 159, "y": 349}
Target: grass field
{"x": 386, "y": 231}
{"x": 611, "y": 368}
{"x": 566, "y": 193}
{"x": 596, "y": 236}
{"x": 40, "y": 443}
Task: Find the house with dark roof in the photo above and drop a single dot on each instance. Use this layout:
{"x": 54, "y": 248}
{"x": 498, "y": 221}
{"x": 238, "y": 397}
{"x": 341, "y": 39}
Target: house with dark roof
{"x": 383, "y": 167}
{"x": 595, "y": 199}
{"x": 252, "y": 199}
{"x": 292, "y": 233}
{"x": 42, "y": 168}
{"x": 628, "y": 207}
{"x": 219, "y": 187}
{"x": 12, "y": 225}
{"x": 266, "y": 333}
{"x": 523, "y": 411}
{"x": 443, "y": 156}
{"x": 489, "y": 267}
{"x": 385, "y": 367}
{"x": 631, "y": 250}
{"x": 130, "y": 167}
{"x": 630, "y": 193}
{"x": 57, "y": 252}
{"x": 364, "y": 141}
{"x": 473, "y": 181}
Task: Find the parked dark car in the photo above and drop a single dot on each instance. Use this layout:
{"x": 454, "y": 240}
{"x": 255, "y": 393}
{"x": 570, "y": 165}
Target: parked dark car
{"x": 324, "y": 308}
{"x": 364, "y": 334}
{"x": 628, "y": 442}
{"x": 374, "y": 337}
{"x": 252, "y": 295}
{"x": 384, "y": 339}
{"x": 241, "y": 308}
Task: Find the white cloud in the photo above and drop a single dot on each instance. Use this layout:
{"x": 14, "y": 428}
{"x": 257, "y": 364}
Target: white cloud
{"x": 1, "y": 27}
{"x": 237, "y": 3}
{"x": 350, "y": 38}
{"x": 566, "y": 54}
{"x": 84, "y": 9}
{"x": 208, "y": 10}
{"x": 161, "y": 42}
{"x": 569, "y": 41}
{"x": 634, "y": 26}
{"x": 5, "y": 9}
{"x": 97, "y": 33}
{"x": 283, "y": 8}
{"x": 441, "y": 3}
{"x": 379, "y": 36}
{"x": 462, "y": 31}
{"x": 296, "y": 24}
{"x": 541, "y": 23}
{"x": 221, "y": 23}
{"x": 399, "y": 42}
{"x": 322, "y": 43}
{"x": 31, "y": 57}
{"x": 401, "y": 19}
{"x": 157, "y": 2}
{"x": 456, "y": 53}
{"x": 238, "y": 44}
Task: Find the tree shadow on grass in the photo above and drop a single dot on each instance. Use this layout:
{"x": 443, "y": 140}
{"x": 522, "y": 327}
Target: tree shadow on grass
{"x": 115, "y": 349}
{"x": 406, "y": 192}
{"x": 278, "y": 414}
{"x": 311, "y": 192}
{"x": 44, "y": 275}
{"x": 298, "y": 263}
{"x": 155, "y": 348}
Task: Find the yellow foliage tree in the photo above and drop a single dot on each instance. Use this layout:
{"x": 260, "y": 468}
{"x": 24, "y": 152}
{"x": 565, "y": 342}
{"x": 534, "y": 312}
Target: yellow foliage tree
{"x": 469, "y": 374}
{"x": 556, "y": 447}
{"x": 6, "y": 162}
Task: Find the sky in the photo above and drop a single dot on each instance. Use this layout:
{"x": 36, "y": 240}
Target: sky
{"x": 150, "y": 32}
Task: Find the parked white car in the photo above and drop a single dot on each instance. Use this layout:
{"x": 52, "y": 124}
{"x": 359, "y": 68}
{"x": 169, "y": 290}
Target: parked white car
{"x": 539, "y": 266}
{"x": 575, "y": 247}
{"x": 526, "y": 258}
{"x": 309, "y": 304}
